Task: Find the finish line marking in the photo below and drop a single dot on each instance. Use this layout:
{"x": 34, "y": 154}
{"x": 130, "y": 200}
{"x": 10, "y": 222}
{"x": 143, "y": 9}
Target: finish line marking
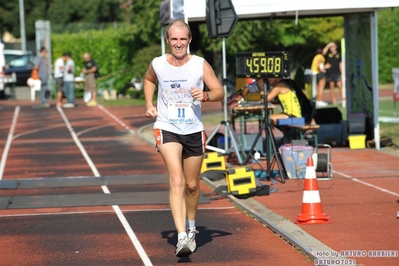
{"x": 122, "y": 218}
{"x": 8, "y": 143}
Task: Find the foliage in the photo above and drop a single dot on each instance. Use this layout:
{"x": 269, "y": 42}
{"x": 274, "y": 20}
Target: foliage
{"x": 123, "y": 52}
{"x": 58, "y": 12}
{"x": 388, "y": 22}
{"x": 110, "y": 48}
{"x": 136, "y": 43}
{"x": 301, "y": 40}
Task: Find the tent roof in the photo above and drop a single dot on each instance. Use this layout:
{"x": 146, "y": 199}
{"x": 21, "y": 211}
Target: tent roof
{"x": 252, "y": 9}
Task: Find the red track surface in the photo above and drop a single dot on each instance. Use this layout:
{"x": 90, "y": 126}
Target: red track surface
{"x": 362, "y": 200}
{"x": 42, "y": 147}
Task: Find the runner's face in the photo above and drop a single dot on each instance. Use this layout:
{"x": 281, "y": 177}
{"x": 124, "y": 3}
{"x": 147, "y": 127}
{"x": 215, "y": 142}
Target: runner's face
{"x": 179, "y": 41}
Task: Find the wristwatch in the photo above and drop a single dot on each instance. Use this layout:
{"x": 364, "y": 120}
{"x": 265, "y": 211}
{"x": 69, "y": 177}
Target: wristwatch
{"x": 206, "y": 97}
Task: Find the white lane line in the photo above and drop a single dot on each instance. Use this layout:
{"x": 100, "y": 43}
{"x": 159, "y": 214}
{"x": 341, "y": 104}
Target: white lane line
{"x": 78, "y": 143}
{"x": 132, "y": 235}
{"x": 122, "y": 218}
{"x": 8, "y": 143}
{"x": 92, "y": 129}
{"x": 116, "y": 119}
{"x": 105, "y": 211}
{"x": 368, "y": 184}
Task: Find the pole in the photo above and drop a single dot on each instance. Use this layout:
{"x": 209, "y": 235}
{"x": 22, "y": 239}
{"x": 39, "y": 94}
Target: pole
{"x": 374, "y": 70}
{"x": 225, "y": 92}
{"x": 22, "y": 23}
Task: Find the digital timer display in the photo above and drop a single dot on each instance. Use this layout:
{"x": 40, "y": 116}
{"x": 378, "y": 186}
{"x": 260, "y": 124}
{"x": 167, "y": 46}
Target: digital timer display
{"x": 263, "y": 64}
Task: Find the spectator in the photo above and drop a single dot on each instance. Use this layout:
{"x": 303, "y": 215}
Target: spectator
{"x": 178, "y": 129}
{"x": 91, "y": 72}
{"x": 333, "y": 69}
{"x": 69, "y": 75}
{"x": 318, "y": 68}
{"x": 59, "y": 67}
{"x": 42, "y": 69}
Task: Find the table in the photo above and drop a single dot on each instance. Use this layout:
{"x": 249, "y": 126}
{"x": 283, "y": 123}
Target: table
{"x": 249, "y": 112}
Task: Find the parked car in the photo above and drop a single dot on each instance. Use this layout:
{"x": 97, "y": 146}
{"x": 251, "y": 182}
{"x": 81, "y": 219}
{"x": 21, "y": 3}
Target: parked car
{"x": 2, "y": 69}
{"x": 21, "y": 63}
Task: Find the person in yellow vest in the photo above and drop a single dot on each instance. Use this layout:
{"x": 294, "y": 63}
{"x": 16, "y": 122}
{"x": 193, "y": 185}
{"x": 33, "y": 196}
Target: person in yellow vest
{"x": 318, "y": 68}
{"x": 287, "y": 98}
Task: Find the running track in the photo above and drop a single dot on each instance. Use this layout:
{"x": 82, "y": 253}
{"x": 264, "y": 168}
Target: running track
{"x": 45, "y": 145}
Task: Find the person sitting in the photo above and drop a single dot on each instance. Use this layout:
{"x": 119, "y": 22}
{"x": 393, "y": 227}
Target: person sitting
{"x": 286, "y": 96}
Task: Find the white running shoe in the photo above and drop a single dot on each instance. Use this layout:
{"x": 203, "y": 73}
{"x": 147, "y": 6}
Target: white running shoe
{"x": 191, "y": 239}
{"x": 321, "y": 104}
{"x": 68, "y": 105}
{"x": 182, "y": 248}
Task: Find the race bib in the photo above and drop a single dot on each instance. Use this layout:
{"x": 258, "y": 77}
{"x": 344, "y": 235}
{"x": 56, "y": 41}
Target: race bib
{"x": 181, "y": 113}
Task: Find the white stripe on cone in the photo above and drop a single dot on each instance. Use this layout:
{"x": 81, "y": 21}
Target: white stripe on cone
{"x": 311, "y": 196}
{"x": 310, "y": 172}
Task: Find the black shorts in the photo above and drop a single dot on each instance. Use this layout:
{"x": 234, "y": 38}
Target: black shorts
{"x": 193, "y": 144}
{"x": 60, "y": 83}
{"x": 320, "y": 76}
{"x": 333, "y": 77}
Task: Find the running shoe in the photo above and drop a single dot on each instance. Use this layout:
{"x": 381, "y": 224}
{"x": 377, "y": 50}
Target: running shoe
{"x": 68, "y": 105}
{"x": 321, "y": 104}
{"x": 92, "y": 103}
{"x": 182, "y": 249}
{"x": 191, "y": 239}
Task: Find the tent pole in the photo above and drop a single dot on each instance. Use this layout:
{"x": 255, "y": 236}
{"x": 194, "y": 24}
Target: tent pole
{"x": 374, "y": 71}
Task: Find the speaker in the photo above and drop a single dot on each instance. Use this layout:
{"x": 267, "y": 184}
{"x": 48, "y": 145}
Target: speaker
{"x": 330, "y": 115}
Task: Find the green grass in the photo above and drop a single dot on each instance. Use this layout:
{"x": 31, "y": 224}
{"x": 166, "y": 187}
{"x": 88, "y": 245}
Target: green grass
{"x": 389, "y": 129}
{"x": 385, "y": 109}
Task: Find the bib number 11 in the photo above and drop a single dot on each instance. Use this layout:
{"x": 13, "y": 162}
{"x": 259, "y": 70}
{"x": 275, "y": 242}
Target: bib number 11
{"x": 181, "y": 113}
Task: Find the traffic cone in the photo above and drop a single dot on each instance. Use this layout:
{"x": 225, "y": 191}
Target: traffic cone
{"x": 311, "y": 204}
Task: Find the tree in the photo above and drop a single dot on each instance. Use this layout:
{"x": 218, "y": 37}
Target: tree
{"x": 301, "y": 40}
{"x": 58, "y": 12}
{"x": 388, "y": 43}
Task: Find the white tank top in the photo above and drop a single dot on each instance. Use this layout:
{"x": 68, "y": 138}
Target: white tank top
{"x": 177, "y": 112}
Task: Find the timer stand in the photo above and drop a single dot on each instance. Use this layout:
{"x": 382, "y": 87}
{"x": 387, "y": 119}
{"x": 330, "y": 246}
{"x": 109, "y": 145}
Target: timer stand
{"x": 270, "y": 140}
{"x": 265, "y": 65}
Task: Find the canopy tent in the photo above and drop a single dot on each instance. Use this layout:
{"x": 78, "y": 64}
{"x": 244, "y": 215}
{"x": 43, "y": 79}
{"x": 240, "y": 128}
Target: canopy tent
{"x": 251, "y": 9}
{"x": 194, "y": 11}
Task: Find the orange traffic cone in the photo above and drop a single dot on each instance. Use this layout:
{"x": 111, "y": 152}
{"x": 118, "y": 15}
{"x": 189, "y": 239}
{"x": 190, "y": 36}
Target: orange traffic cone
{"x": 311, "y": 203}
